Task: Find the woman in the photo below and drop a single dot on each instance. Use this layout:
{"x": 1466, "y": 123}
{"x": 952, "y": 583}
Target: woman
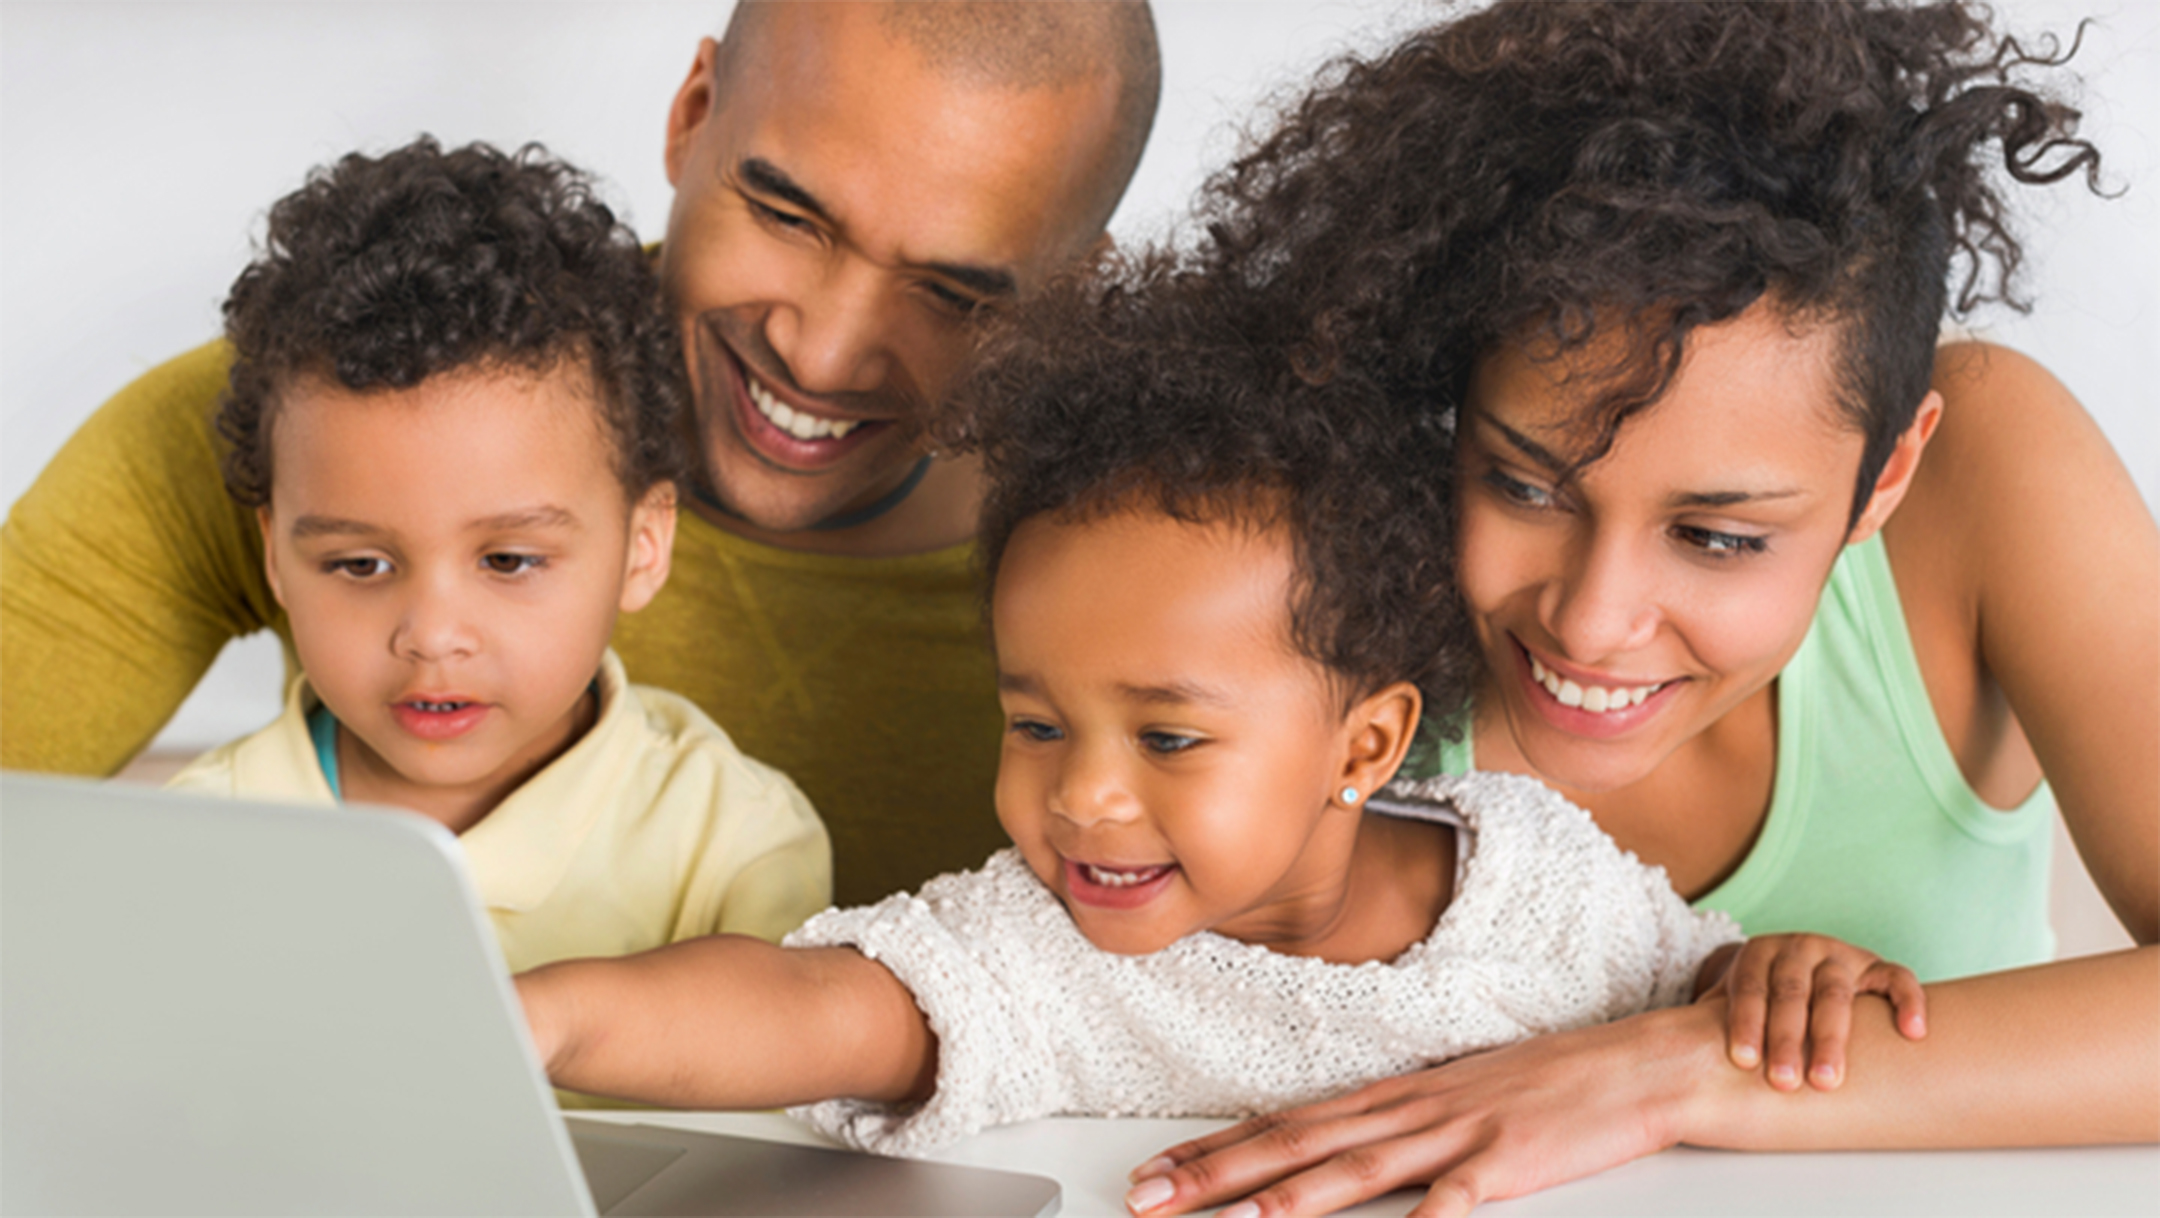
{"x": 1822, "y": 620}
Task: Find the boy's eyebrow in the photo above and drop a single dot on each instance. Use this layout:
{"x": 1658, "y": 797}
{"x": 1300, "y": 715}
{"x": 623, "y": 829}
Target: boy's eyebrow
{"x": 767, "y": 178}
{"x": 332, "y": 526}
{"x": 1176, "y": 693}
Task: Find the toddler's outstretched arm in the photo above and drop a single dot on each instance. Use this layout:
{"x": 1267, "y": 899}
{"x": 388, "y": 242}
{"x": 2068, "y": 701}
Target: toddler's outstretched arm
{"x": 730, "y": 1022}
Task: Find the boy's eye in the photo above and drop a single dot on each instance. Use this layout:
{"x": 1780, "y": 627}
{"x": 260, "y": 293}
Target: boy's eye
{"x": 358, "y": 568}
{"x": 1515, "y": 490}
{"x": 1036, "y": 730}
{"x": 1720, "y": 545}
{"x": 512, "y": 564}
{"x": 1167, "y": 742}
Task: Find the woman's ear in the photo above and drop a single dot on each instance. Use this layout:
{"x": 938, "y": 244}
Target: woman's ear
{"x": 652, "y": 547}
{"x": 1377, "y": 734}
{"x": 1897, "y": 472}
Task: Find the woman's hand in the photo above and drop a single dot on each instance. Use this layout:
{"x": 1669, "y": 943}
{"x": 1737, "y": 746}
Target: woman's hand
{"x": 1496, "y": 1124}
{"x": 1795, "y": 993}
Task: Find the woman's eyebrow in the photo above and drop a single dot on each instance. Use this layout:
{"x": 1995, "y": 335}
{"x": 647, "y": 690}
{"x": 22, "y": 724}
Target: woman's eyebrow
{"x": 1528, "y": 447}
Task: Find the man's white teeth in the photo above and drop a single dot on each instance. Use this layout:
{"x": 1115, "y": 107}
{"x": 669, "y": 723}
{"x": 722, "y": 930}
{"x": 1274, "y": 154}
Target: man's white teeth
{"x": 1595, "y": 698}
{"x": 792, "y": 421}
{"x": 1120, "y": 879}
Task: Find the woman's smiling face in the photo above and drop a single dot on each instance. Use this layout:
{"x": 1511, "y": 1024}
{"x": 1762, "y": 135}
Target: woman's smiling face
{"x": 1626, "y": 610}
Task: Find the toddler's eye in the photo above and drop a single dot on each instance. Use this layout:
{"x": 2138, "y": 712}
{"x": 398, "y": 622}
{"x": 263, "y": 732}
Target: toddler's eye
{"x": 1167, "y": 742}
{"x": 358, "y": 568}
{"x": 1036, "y": 730}
{"x": 512, "y": 564}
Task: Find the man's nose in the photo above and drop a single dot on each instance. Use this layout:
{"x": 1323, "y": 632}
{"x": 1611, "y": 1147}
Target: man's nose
{"x": 835, "y": 337}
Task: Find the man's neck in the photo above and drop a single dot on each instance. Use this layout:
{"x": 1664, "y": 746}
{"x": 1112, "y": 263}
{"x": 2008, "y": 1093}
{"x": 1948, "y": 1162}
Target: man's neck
{"x": 941, "y": 511}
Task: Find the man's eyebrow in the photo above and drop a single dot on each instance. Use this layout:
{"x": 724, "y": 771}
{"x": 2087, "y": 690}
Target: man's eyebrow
{"x": 766, "y": 178}
{"x": 331, "y": 526}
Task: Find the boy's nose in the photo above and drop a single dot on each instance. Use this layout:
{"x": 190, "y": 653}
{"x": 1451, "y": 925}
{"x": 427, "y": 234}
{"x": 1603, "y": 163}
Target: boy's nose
{"x": 433, "y": 628}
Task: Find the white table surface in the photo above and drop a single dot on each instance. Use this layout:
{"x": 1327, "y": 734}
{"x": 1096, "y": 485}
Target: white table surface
{"x": 1089, "y": 1159}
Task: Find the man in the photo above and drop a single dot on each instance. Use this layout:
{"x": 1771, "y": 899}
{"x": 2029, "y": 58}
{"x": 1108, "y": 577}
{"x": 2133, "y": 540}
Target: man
{"x": 855, "y": 184}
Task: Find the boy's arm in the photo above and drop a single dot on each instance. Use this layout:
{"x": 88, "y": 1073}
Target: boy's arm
{"x": 730, "y": 1022}
{"x": 123, "y": 570}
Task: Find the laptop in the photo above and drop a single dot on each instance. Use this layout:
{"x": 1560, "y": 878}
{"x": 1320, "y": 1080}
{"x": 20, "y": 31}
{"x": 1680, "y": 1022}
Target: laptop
{"x": 228, "y": 1008}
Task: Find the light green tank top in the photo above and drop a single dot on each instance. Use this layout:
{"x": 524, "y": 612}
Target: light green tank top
{"x": 1873, "y": 835}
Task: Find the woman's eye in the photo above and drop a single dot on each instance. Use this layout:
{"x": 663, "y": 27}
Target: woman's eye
{"x": 1721, "y": 545}
{"x": 1036, "y": 730}
{"x": 357, "y": 568}
{"x": 512, "y": 564}
{"x": 1167, "y": 742}
{"x": 1515, "y": 490}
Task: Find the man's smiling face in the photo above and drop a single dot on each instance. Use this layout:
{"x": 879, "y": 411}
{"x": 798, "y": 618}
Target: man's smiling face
{"x": 843, "y": 213}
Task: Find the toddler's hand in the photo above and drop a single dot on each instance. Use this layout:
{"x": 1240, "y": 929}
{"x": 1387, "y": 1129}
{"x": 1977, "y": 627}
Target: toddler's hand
{"x": 1795, "y": 992}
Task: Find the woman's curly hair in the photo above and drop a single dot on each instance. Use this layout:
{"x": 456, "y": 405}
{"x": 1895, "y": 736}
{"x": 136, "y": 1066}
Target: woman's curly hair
{"x": 1138, "y": 386}
{"x": 1550, "y": 170}
{"x": 384, "y": 271}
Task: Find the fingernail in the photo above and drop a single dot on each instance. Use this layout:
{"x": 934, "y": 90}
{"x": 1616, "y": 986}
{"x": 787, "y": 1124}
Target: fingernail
{"x": 1825, "y": 1076}
{"x": 1784, "y": 1076}
{"x": 1243, "y": 1209}
{"x": 1744, "y": 1056}
{"x": 1160, "y": 1165}
{"x": 1148, "y": 1194}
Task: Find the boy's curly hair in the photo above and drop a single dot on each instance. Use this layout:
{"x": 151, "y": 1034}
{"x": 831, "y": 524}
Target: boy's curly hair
{"x": 384, "y": 271}
{"x": 1139, "y": 386}
{"x": 1557, "y": 170}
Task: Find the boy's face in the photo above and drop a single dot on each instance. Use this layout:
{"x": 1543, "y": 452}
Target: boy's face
{"x": 1169, "y": 759}
{"x": 452, "y": 557}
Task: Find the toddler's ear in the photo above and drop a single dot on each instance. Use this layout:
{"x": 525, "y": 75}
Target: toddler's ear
{"x": 652, "y": 544}
{"x": 1377, "y": 734}
{"x": 269, "y": 537}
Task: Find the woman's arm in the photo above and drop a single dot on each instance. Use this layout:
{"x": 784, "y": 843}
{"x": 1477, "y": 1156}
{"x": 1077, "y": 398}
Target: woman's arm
{"x": 2059, "y": 1054}
{"x": 2030, "y": 569}
{"x": 730, "y": 1022}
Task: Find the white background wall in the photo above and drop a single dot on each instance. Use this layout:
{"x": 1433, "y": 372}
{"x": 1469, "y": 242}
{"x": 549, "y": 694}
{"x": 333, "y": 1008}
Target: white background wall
{"x": 141, "y": 142}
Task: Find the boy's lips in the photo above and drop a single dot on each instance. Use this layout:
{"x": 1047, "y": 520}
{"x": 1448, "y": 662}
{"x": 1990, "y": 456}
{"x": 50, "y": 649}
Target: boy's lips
{"x": 438, "y": 719}
{"x": 1108, "y": 886}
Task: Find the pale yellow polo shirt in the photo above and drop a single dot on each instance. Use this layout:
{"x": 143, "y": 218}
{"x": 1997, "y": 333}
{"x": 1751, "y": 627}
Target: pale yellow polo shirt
{"x": 651, "y": 829}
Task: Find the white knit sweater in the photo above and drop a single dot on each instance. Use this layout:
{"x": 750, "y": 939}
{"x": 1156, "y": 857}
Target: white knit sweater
{"x": 1552, "y": 926}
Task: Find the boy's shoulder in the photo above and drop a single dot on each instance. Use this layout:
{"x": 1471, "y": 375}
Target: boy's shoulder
{"x": 275, "y": 763}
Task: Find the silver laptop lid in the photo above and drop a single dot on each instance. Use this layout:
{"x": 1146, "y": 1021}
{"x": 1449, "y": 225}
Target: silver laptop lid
{"x": 214, "y": 1007}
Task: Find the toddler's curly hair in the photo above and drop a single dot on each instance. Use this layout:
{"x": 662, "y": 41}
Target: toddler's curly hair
{"x": 383, "y": 271}
{"x": 1138, "y": 386}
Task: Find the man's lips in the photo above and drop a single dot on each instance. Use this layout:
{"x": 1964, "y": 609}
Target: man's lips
{"x": 438, "y": 719}
{"x": 786, "y": 430}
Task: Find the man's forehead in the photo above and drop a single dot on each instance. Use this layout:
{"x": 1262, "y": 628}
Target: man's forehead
{"x": 915, "y": 164}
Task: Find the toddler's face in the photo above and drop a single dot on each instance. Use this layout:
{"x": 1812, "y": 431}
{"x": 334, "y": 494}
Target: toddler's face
{"x": 453, "y": 557}
{"x": 1168, "y": 757}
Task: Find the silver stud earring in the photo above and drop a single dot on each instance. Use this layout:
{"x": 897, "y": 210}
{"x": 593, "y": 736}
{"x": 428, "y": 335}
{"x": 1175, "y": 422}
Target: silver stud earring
{"x": 1349, "y": 795}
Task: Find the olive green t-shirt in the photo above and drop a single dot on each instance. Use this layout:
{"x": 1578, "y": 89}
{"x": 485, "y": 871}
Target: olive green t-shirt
{"x": 126, "y": 568}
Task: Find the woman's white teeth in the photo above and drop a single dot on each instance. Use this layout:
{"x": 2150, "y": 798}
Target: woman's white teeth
{"x": 1593, "y": 698}
{"x": 1119, "y": 879}
{"x": 796, "y": 423}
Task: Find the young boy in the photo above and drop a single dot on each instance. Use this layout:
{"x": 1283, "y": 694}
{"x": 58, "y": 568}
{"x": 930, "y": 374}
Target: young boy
{"x": 453, "y": 411}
